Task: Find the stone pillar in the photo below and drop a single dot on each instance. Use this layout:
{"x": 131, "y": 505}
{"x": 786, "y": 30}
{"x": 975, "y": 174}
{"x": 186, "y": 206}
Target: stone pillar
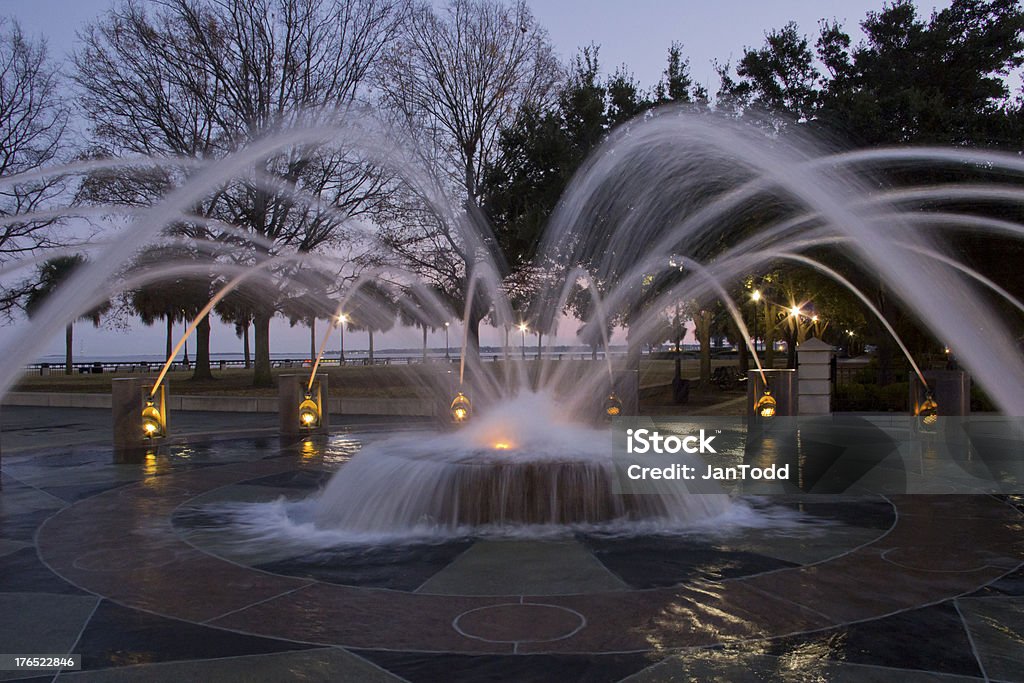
{"x": 815, "y": 383}
{"x": 782, "y": 384}
{"x": 291, "y": 392}
{"x": 951, "y": 389}
{"x": 128, "y": 397}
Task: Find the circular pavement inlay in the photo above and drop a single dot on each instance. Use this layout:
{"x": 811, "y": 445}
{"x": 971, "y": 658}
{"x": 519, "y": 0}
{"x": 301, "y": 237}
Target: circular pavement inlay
{"x": 519, "y": 623}
{"x": 934, "y": 559}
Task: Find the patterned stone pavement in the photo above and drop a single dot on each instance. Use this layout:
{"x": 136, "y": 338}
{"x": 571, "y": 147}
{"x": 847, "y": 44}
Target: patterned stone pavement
{"x": 127, "y": 565}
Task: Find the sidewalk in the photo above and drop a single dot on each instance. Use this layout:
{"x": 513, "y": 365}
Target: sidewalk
{"x": 23, "y": 428}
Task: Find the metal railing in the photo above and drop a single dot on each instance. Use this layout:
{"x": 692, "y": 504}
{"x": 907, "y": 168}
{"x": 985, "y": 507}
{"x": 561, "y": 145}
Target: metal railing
{"x": 130, "y": 367}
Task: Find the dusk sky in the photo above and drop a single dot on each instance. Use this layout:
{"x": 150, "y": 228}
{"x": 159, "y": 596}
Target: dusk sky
{"x": 637, "y": 33}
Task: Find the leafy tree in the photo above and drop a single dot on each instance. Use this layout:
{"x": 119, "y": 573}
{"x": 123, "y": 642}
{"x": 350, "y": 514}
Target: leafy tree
{"x": 916, "y": 81}
{"x": 781, "y": 76}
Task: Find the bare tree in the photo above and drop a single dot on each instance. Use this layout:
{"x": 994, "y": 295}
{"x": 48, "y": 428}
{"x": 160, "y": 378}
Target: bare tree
{"x": 204, "y": 78}
{"x": 33, "y": 117}
{"x": 453, "y": 78}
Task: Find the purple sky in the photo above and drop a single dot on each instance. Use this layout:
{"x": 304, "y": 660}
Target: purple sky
{"x": 637, "y": 33}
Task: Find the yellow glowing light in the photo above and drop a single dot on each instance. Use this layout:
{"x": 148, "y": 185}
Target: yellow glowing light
{"x": 756, "y": 296}
{"x": 342, "y": 318}
{"x": 502, "y": 446}
{"x": 152, "y": 421}
{"x": 814, "y": 319}
{"x": 795, "y": 311}
{"x": 612, "y": 405}
{"x": 766, "y": 405}
{"x": 309, "y": 413}
{"x": 928, "y": 410}
{"x": 523, "y": 327}
{"x": 460, "y": 408}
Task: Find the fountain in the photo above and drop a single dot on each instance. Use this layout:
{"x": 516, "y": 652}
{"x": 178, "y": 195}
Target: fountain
{"x": 648, "y": 217}
{"x": 524, "y": 463}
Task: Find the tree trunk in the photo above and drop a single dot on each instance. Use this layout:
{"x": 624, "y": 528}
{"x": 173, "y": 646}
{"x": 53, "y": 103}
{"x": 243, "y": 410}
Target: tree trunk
{"x": 312, "y": 341}
{"x": 791, "y": 347}
{"x": 170, "y": 337}
{"x": 471, "y": 357}
{"x": 261, "y": 376}
{"x": 69, "y": 338}
{"x": 370, "y": 332}
{"x": 886, "y": 345}
{"x": 702, "y": 324}
{"x": 245, "y": 346}
{"x": 768, "y": 361}
{"x": 202, "y": 370}
{"x": 540, "y": 345}
{"x": 743, "y": 354}
{"x": 424, "y": 343}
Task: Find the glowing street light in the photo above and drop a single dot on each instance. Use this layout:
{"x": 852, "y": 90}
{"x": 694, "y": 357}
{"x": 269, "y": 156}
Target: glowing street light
{"x": 523, "y": 328}
{"x": 447, "y": 354}
{"x": 342, "y": 319}
{"x": 795, "y": 312}
{"x": 756, "y": 296}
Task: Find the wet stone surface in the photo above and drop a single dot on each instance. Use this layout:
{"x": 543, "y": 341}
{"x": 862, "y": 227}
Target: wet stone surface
{"x": 134, "y": 567}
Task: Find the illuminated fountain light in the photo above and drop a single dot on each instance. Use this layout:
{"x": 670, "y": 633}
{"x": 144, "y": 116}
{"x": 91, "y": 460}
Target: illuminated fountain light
{"x": 309, "y": 413}
{"x": 461, "y": 408}
{"x": 766, "y": 405}
{"x": 153, "y": 424}
{"x": 612, "y": 405}
{"x": 928, "y": 410}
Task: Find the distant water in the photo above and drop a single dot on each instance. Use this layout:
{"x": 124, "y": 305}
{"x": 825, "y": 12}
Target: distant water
{"x": 354, "y": 354}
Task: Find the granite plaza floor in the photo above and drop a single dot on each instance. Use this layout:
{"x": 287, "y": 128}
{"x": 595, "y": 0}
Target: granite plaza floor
{"x": 125, "y": 564}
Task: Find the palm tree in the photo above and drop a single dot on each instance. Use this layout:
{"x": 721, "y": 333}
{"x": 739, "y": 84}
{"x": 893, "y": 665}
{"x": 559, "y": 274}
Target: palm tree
{"x": 371, "y": 308}
{"x": 421, "y": 307}
{"x": 237, "y": 308}
{"x": 52, "y": 274}
{"x": 175, "y": 300}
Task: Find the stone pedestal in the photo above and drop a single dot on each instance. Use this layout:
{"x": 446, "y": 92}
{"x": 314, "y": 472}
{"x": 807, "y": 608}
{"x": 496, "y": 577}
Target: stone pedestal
{"x": 951, "y": 389}
{"x": 815, "y": 383}
{"x": 127, "y": 399}
{"x": 782, "y": 384}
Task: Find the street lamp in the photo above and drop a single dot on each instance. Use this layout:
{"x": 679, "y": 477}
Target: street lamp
{"x": 523, "y": 328}
{"x": 447, "y": 354}
{"x": 756, "y": 296}
{"x": 342, "y": 319}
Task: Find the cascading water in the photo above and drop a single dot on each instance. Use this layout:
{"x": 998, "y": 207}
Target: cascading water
{"x": 523, "y": 463}
{"x": 674, "y": 189}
